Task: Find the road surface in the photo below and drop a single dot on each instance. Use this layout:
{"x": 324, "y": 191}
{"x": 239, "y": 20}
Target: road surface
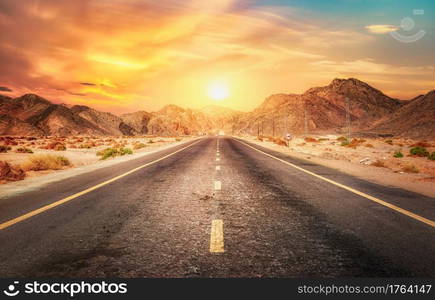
{"x": 216, "y": 207}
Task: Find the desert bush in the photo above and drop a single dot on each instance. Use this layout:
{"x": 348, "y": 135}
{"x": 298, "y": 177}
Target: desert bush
{"x": 39, "y": 162}
{"x": 259, "y": 138}
{"x": 280, "y": 142}
{"x": 344, "y": 143}
{"x": 178, "y": 139}
{"x": 4, "y": 148}
{"x": 86, "y": 145}
{"x": 389, "y": 142}
{"x": 342, "y": 139}
{"x": 354, "y": 143}
{"x": 310, "y": 140}
{"x": 113, "y": 152}
{"x": 419, "y": 151}
{"x": 398, "y": 154}
{"x": 108, "y": 152}
{"x": 124, "y": 151}
{"x": 431, "y": 156}
{"x": 139, "y": 146}
{"x": 323, "y": 139}
{"x": 410, "y": 169}
{"x": 23, "y": 150}
{"x": 57, "y": 146}
{"x": 10, "y": 173}
{"x": 378, "y": 163}
{"x": 150, "y": 142}
{"x": 368, "y": 145}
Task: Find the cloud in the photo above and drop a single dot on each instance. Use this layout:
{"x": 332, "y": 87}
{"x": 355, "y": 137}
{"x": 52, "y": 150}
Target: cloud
{"x": 5, "y": 89}
{"x": 382, "y": 29}
{"x": 122, "y": 53}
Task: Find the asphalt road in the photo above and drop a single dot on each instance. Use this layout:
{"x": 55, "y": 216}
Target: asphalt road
{"x": 192, "y": 215}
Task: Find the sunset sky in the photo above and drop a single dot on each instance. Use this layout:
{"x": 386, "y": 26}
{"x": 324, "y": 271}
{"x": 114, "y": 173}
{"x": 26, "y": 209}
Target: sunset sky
{"x": 128, "y": 55}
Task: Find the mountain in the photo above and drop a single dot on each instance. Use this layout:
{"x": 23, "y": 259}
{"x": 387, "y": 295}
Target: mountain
{"x": 415, "y": 119}
{"x": 138, "y": 121}
{"x": 318, "y": 110}
{"x": 321, "y": 109}
{"x": 108, "y": 124}
{"x": 173, "y": 120}
{"x": 32, "y": 115}
{"x": 13, "y": 126}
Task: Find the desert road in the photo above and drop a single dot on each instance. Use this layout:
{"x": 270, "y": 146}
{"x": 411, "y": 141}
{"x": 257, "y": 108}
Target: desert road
{"x": 217, "y": 207}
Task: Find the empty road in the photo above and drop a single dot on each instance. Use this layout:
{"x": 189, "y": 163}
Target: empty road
{"x": 217, "y": 207}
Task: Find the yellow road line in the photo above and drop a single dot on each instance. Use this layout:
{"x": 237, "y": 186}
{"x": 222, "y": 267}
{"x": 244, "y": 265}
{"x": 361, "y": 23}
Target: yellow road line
{"x": 59, "y": 202}
{"x": 217, "y": 236}
{"x": 374, "y": 199}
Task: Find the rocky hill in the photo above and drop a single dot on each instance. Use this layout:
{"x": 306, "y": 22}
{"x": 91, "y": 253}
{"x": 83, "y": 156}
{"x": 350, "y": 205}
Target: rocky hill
{"x": 321, "y": 109}
{"x": 108, "y": 123}
{"x": 138, "y": 121}
{"x": 415, "y": 119}
{"x": 318, "y": 110}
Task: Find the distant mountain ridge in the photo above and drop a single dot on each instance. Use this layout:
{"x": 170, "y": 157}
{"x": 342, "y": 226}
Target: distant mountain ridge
{"x": 319, "y": 109}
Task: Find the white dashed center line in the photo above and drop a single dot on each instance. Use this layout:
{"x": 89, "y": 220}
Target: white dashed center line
{"x": 217, "y": 236}
{"x": 217, "y": 185}
{"x": 218, "y": 168}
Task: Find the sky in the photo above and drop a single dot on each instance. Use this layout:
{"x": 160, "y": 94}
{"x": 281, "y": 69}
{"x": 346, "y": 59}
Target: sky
{"x": 127, "y": 55}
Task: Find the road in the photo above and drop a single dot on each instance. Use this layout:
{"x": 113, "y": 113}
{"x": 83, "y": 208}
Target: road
{"x": 216, "y": 207}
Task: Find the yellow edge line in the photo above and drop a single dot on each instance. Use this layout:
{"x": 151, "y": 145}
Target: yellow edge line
{"x": 217, "y": 236}
{"x": 374, "y": 199}
{"x": 69, "y": 198}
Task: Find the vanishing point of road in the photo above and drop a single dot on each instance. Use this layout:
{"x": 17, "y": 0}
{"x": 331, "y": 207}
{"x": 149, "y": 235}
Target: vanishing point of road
{"x": 216, "y": 207}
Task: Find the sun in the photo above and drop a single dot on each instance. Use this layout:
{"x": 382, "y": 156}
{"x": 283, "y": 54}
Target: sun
{"x": 218, "y": 91}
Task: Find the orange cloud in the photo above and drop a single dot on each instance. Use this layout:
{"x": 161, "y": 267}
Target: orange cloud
{"x": 125, "y": 55}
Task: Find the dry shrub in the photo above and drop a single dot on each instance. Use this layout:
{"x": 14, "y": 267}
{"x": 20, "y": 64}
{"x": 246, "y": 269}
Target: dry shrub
{"x": 410, "y": 169}
{"x": 354, "y": 143}
{"x": 310, "y": 140}
{"x": 10, "y": 173}
{"x": 39, "y": 162}
{"x": 178, "y": 139}
{"x": 23, "y": 150}
{"x": 138, "y": 146}
{"x": 368, "y": 145}
{"x": 57, "y": 146}
{"x": 280, "y": 142}
{"x": 4, "y": 149}
{"x": 378, "y": 163}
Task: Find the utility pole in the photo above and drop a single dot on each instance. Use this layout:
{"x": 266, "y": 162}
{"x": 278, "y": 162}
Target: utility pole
{"x": 258, "y": 129}
{"x": 305, "y": 120}
{"x": 348, "y": 116}
{"x": 273, "y": 125}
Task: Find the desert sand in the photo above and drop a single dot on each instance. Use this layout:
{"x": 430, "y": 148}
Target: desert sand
{"x": 371, "y": 159}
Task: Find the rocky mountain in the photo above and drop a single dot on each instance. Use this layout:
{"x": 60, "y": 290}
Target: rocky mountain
{"x": 321, "y": 109}
{"x": 415, "y": 119}
{"x": 41, "y": 117}
{"x": 318, "y": 110}
{"x": 138, "y": 121}
{"x": 108, "y": 124}
{"x": 174, "y": 120}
